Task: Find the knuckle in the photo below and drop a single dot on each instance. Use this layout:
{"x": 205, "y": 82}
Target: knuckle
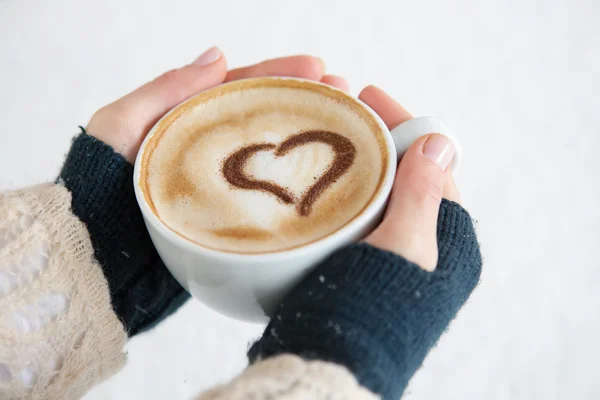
{"x": 112, "y": 123}
{"x": 119, "y": 111}
{"x": 171, "y": 86}
{"x": 114, "y": 111}
{"x": 120, "y": 117}
{"x": 426, "y": 187}
{"x": 170, "y": 75}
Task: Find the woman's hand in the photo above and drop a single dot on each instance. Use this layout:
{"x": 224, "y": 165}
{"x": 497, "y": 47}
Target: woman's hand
{"x": 143, "y": 292}
{"x": 124, "y": 124}
{"x": 423, "y": 178}
{"x": 378, "y": 313}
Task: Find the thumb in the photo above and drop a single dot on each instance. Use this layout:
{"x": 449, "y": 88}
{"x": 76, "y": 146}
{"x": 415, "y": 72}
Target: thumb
{"x": 124, "y": 123}
{"x": 410, "y": 223}
{"x": 155, "y": 98}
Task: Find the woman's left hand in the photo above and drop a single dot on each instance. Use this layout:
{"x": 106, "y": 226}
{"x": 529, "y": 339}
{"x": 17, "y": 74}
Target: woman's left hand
{"x": 143, "y": 292}
{"x": 124, "y": 124}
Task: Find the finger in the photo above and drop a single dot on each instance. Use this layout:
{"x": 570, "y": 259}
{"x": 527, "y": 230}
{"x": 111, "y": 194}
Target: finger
{"x": 155, "y": 98}
{"x": 336, "y": 81}
{"x": 124, "y": 123}
{"x": 450, "y": 191}
{"x": 410, "y": 223}
{"x": 306, "y": 67}
{"x": 392, "y": 113}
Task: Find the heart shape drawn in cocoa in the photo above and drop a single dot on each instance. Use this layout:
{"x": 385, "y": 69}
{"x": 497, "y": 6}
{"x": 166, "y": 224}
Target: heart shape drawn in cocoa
{"x": 344, "y": 154}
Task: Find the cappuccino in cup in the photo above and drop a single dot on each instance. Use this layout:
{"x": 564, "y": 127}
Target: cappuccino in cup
{"x": 263, "y": 165}
{"x": 246, "y": 187}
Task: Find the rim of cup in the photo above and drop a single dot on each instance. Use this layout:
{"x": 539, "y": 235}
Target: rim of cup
{"x": 336, "y": 238}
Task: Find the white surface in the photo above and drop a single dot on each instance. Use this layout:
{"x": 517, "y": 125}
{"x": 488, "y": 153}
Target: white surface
{"x": 517, "y": 80}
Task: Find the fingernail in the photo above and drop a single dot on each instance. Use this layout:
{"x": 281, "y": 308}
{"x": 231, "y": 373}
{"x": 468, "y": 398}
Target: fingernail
{"x": 439, "y": 149}
{"x": 208, "y": 57}
{"x": 322, "y": 64}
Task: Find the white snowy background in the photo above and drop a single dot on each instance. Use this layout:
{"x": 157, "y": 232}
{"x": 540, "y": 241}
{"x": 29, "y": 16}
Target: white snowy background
{"x": 517, "y": 80}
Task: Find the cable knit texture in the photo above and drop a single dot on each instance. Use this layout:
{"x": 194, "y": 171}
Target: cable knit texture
{"x": 101, "y": 182}
{"x": 58, "y": 332}
{"x": 375, "y": 312}
{"x": 288, "y": 377}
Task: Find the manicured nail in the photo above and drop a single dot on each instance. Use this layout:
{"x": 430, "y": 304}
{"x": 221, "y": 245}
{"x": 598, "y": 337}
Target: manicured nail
{"x": 208, "y": 57}
{"x": 322, "y": 64}
{"x": 439, "y": 149}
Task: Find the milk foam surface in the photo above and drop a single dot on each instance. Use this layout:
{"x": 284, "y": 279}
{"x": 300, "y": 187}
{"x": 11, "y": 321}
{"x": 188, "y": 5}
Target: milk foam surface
{"x": 183, "y": 178}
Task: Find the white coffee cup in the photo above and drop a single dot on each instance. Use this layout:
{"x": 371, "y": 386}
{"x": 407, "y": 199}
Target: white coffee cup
{"x": 250, "y": 286}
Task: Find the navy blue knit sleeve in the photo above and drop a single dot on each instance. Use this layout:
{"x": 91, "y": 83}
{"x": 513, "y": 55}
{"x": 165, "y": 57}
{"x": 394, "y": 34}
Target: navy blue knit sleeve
{"x": 375, "y": 312}
{"x": 142, "y": 290}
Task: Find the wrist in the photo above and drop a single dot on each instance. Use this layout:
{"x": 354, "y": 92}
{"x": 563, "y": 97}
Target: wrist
{"x": 101, "y": 184}
{"x": 375, "y": 312}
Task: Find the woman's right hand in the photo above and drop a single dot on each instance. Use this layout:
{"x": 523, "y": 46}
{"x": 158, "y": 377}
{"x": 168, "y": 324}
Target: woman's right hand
{"x": 378, "y": 307}
{"x": 423, "y": 178}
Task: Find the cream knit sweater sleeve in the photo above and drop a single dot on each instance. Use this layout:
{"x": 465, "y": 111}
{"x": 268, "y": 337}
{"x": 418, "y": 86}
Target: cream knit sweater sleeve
{"x": 59, "y": 335}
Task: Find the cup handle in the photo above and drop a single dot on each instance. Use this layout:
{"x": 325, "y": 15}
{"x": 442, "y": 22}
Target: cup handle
{"x": 407, "y": 132}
